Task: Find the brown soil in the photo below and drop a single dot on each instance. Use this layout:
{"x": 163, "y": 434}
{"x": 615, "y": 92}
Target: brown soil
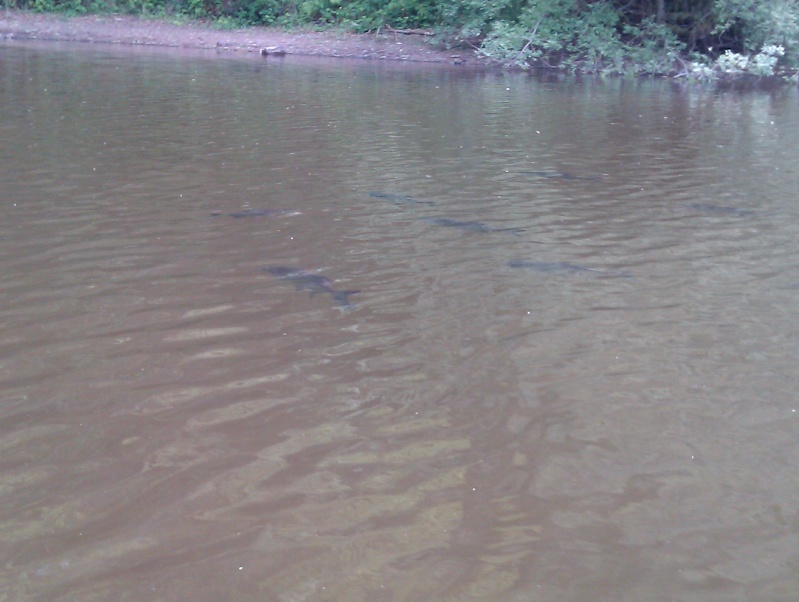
{"x": 128, "y": 30}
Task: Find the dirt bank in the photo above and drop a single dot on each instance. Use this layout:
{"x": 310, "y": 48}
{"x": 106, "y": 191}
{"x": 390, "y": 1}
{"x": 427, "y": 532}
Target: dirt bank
{"x": 129, "y": 30}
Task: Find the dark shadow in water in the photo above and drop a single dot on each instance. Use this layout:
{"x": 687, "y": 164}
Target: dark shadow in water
{"x": 398, "y": 199}
{"x": 470, "y": 226}
{"x": 711, "y": 209}
{"x": 313, "y": 283}
{"x": 559, "y": 175}
{"x": 258, "y": 213}
{"x": 564, "y": 268}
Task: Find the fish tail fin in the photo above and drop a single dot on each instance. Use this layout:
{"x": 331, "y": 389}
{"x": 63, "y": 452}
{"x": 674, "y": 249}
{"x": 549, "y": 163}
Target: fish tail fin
{"x": 511, "y": 231}
{"x": 340, "y": 297}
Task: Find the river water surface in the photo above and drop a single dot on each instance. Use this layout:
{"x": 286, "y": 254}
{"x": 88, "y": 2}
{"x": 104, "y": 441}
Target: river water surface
{"x": 569, "y": 372}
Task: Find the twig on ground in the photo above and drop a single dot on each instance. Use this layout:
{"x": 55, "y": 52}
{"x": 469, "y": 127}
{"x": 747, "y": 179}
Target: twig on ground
{"x": 409, "y": 32}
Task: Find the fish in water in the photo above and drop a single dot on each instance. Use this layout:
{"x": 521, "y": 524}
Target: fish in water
{"x": 398, "y": 198}
{"x": 313, "y": 283}
{"x": 720, "y": 209}
{"x": 558, "y": 175}
{"x": 470, "y": 226}
{"x": 562, "y": 267}
{"x": 258, "y": 213}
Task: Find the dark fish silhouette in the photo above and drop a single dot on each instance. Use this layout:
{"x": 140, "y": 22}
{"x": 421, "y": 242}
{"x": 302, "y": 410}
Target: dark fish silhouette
{"x": 562, "y": 267}
{"x": 398, "y": 198}
{"x": 470, "y": 226}
{"x": 720, "y": 209}
{"x": 313, "y": 283}
{"x": 258, "y": 213}
{"x": 558, "y": 175}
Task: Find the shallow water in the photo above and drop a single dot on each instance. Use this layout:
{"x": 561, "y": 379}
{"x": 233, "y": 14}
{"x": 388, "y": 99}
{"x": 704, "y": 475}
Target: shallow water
{"x": 178, "y": 423}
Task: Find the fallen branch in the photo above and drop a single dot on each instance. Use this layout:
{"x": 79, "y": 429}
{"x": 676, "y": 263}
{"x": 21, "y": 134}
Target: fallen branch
{"x": 686, "y": 70}
{"x": 410, "y": 32}
{"x": 532, "y": 37}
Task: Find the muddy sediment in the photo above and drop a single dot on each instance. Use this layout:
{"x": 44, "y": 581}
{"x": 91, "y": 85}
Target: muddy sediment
{"x": 131, "y": 30}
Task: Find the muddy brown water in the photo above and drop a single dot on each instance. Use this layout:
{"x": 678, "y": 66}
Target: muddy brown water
{"x": 177, "y": 423}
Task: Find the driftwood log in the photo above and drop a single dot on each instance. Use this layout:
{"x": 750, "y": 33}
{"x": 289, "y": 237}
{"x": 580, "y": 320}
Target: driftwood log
{"x": 273, "y": 51}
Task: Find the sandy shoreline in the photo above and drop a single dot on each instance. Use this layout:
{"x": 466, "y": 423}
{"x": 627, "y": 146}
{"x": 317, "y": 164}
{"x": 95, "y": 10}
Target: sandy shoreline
{"x": 130, "y": 30}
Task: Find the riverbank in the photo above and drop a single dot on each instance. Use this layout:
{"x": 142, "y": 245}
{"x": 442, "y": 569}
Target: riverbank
{"x": 131, "y": 30}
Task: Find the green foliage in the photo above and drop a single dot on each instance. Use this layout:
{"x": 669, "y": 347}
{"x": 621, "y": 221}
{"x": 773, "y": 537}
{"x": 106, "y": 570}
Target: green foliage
{"x": 263, "y": 12}
{"x": 571, "y": 36}
{"x": 471, "y": 20}
{"x": 751, "y": 25}
{"x": 507, "y": 44}
{"x": 734, "y": 65}
{"x": 141, "y": 7}
{"x": 651, "y": 47}
{"x": 607, "y": 36}
{"x": 195, "y": 9}
{"x": 367, "y": 15}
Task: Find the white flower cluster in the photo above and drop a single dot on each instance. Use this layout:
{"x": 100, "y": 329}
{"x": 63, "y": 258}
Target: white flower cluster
{"x": 732, "y": 62}
{"x": 762, "y": 64}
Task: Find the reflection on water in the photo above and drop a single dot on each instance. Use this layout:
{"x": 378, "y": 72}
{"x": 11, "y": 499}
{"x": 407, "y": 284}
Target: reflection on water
{"x": 599, "y": 407}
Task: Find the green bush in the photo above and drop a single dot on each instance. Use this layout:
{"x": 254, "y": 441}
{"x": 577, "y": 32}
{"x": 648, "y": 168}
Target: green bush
{"x": 641, "y": 36}
{"x": 651, "y": 47}
{"x": 367, "y": 15}
{"x": 264, "y": 12}
{"x": 570, "y": 36}
{"x": 750, "y": 25}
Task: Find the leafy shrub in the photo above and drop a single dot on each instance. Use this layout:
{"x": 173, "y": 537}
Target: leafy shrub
{"x": 641, "y": 36}
{"x": 264, "y": 12}
{"x": 651, "y": 47}
{"x": 568, "y": 35}
{"x": 756, "y": 24}
{"x": 734, "y": 64}
{"x": 764, "y": 63}
{"x": 367, "y": 15}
